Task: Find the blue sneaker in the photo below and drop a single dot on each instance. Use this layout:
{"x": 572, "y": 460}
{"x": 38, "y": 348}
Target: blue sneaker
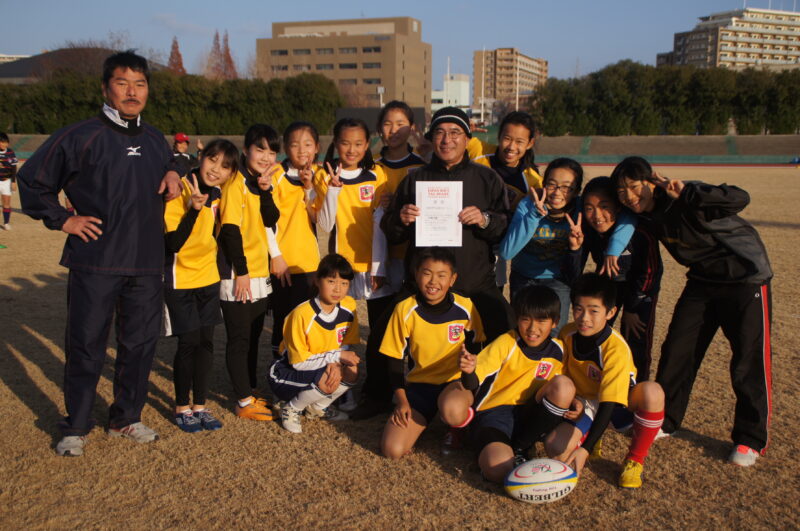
{"x": 207, "y": 420}
{"x": 188, "y": 422}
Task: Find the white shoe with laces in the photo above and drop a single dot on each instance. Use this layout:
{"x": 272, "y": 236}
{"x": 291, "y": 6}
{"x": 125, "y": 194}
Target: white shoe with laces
{"x": 290, "y": 419}
{"x": 137, "y": 432}
{"x": 743, "y": 456}
{"x": 71, "y": 446}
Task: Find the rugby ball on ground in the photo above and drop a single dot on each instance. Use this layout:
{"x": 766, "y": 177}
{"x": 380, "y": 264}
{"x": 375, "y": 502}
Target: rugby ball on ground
{"x": 540, "y": 481}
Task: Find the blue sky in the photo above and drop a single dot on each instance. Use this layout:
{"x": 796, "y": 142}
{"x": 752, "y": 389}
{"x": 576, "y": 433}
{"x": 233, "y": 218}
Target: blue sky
{"x": 573, "y": 35}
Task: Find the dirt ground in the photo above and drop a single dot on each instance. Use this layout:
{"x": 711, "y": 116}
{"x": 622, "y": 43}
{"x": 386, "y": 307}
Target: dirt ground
{"x": 255, "y": 475}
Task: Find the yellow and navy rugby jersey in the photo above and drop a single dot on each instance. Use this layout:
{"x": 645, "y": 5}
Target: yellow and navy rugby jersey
{"x": 195, "y": 264}
{"x": 241, "y": 206}
{"x": 307, "y": 337}
{"x": 294, "y": 232}
{"x": 431, "y": 340}
{"x": 352, "y": 233}
{"x": 395, "y": 171}
{"x": 516, "y": 189}
{"x": 477, "y": 147}
{"x": 510, "y": 372}
{"x": 606, "y": 373}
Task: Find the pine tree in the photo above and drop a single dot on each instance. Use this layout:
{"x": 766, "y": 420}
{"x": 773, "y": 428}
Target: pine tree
{"x": 175, "y": 63}
{"x": 228, "y": 65}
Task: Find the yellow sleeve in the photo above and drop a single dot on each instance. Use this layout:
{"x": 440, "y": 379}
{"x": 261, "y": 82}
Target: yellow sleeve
{"x": 476, "y": 325}
{"x": 534, "y": 179}
{"x": 352, "y": 336}
{"x": 491, "y": 358}
{"x": 231, "y": 206}
{"x": 294, "y": 334}
{"x": 396, "y": 336}
{"x": 483, "y": 160}
{"x": 320, "y": 187}
{"x": 616, "y": 381}
{"x": 176, "y": 208}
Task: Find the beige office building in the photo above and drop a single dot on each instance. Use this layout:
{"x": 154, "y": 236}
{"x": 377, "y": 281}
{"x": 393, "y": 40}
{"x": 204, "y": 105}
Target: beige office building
{"x": 505, "y": 74}
{"x": 360, "y": 55}
{"x": 744, "y": 38}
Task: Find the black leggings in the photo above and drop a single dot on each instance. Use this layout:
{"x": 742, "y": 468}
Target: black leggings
{"x": 244, "y": 322}
{"x": 192, "y": 367}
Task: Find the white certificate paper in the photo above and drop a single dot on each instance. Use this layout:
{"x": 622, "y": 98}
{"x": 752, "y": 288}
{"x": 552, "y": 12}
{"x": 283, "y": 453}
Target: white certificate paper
{"x": 439, "y": 203}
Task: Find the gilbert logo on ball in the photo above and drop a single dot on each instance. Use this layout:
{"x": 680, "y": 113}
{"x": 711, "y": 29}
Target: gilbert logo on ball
{"x": 540, "y": 481}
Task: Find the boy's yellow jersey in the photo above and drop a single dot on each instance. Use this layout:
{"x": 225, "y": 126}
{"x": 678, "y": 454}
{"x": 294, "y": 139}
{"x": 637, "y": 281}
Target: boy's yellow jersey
{"x": 510, "y": 372}
{"x": 195, "y": 264}
{"x": 477, "y": 147}
{"x": 605, "y": 373}
{"x": 432, "y": 341}
{"x": 307, "y": 334}
{"x": 241, "y": 206}
{"x": 395, "y": 171}
{"x": 357, "y": 201}
{"x": 294, "y": 232}
{"x": 514, "y": 190}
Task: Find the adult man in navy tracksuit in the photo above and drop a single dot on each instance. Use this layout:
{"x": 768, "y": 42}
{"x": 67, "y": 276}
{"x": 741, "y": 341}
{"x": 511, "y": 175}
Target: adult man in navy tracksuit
{"x": 728, "y": 287}
{"x": 112, "y": 168}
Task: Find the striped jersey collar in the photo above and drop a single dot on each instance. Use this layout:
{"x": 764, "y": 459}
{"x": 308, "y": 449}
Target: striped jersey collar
{"x": 114, "y": 116}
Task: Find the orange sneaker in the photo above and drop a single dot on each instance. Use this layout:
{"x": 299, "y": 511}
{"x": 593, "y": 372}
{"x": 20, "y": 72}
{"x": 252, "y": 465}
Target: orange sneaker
{"x": 257, "y": 409}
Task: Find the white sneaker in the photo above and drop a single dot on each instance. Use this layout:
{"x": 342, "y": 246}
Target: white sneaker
{"x": 290, "y": 419}
{"x": 136, "y": 432}
{"x": 71, "y": 446}
{"x": 742, "y": 455}
{"x": 329, "y": 413}
{"x": 7, "y": 226}
{"x": 662, "y": 434}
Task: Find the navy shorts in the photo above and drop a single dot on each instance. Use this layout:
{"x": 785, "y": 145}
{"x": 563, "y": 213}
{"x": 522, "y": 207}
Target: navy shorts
{"x": 191, "y": 309}
{"x": 496, "y": 424}
{"x": 287, "y": 382}
{"x": 424, "y": 398}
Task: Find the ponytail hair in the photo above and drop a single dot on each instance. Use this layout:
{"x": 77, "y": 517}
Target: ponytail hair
{"x": 366, "y": 163}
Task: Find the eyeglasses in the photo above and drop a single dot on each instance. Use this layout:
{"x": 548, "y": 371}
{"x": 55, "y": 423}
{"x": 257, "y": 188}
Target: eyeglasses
{"x": 452, "y": 134}
{"x": 564, "y": 189}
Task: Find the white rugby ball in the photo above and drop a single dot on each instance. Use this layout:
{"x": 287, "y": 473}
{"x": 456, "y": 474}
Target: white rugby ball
{"x": 540, "y": 481}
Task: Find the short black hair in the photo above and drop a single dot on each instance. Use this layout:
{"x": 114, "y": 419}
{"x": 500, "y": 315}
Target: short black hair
{"x": 437, "y": 254}
{"x": 126, "y": 59}
{"x": 220, "y": 146}
{"x": 570, "y": 164}
{"x": 594, "y": 285}
{"x": 525, "y": 120}
{"x": 537, "y": 302}
{"x": 604, "y": 186}
{"x": 263, "y": 136}
{"x": 3, "y": 137}
{"x": 335, "y": 265}
{"x": 633, "y": 168}
{"x": 395, "y": 105}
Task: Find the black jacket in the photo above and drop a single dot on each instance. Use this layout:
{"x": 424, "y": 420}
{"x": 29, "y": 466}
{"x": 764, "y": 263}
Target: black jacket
{"x": 484, "y": 189}
{"x": 701, "y": 230}
{"x": 110, "y": 172}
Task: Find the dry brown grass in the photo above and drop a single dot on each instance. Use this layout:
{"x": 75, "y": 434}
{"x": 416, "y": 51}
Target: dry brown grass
{"x": 251, "y": 475}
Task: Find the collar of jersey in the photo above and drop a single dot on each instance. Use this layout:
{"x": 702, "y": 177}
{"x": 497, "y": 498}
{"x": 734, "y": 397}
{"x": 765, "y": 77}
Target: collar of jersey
{"x": 535, "y": 353}
{"x": 597, "y": 340}
{"x": 126, "y": 125}
{"x": 408, "y": 160}
{"x": 495, "y": 162}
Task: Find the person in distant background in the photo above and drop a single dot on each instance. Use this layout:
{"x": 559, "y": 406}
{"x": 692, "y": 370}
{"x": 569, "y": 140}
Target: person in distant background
{"x": 181, "y": 156}
{"x": 8, "y": 170}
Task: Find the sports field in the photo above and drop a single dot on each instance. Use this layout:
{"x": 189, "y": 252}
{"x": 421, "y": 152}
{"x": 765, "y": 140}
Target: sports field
{"x": 253, "y": 475}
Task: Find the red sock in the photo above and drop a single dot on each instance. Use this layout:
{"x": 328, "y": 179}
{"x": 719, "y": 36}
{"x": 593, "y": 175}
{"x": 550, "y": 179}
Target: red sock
{"x": 645, "y": 429}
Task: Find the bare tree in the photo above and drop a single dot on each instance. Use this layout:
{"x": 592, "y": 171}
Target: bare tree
{"x": 228, "y": 64}
{"x": 215, "y": 64}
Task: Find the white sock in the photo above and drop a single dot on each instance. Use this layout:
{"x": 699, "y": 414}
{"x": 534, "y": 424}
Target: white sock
{"x": 329, "y": 399}
{"x": 306, "y": 398}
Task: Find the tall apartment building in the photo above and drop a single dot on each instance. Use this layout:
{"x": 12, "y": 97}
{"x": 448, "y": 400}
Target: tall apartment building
{"x": 360, "y": 55}
{"x": 744, "y": 38}
{"x": 505, "y": 74}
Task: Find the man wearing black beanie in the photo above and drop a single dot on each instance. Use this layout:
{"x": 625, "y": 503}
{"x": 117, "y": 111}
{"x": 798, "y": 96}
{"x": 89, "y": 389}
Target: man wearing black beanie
{"x": 484, "y": 218}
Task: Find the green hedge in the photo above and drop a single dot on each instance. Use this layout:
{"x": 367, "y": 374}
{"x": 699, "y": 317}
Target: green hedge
{"x": 629, "y": 98}
{"x": 191, "y": 104}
